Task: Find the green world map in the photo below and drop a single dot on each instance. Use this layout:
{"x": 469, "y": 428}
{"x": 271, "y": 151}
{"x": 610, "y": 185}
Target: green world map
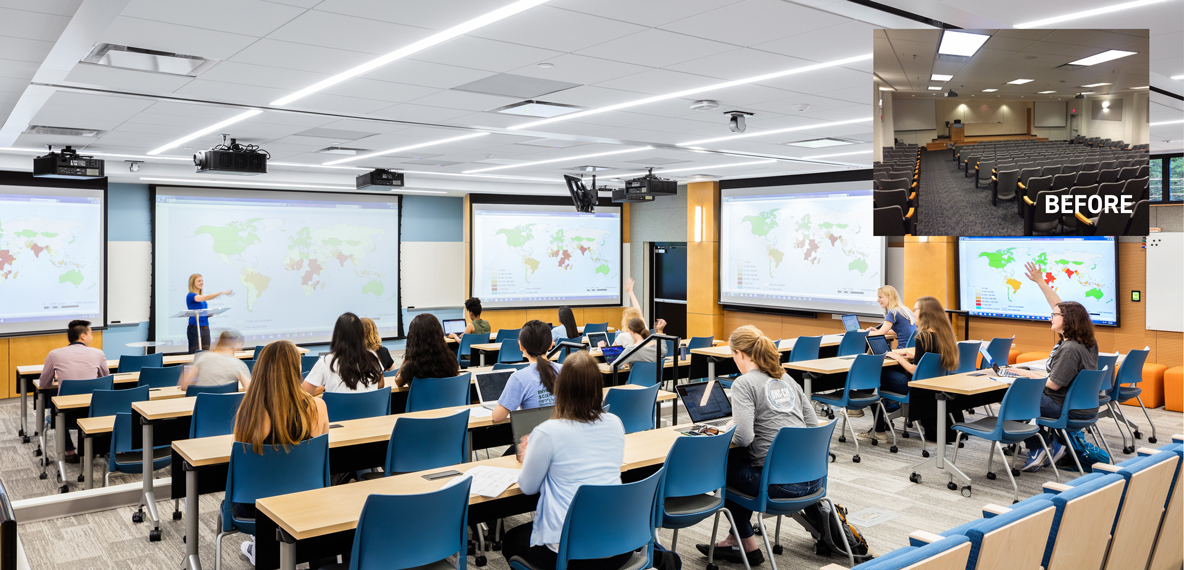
{"x": 810, "y": 239}
{"x": 565, "y": 250}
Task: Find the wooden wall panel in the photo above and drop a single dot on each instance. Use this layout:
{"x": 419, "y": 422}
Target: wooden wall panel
{"x": 930, "y": 269}
{"x": 703, "y": 269}
{"x": 712, "y": 323}
{"x": 25, "y": 350}
{"x": 505, "y": 319}
{"x": 768, "y": 324}
{"x": 1169, "y": 348}
{"x": 610, "y": 315}
{"x": 8, "y": 387}
{"x": 468, "y": 246}
{"x": 704, "y": 314}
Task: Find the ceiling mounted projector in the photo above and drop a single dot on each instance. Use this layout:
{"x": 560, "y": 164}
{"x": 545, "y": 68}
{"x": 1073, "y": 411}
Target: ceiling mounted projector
{"x": 380, "y": 177}
{"x": 232, "y": 158}
{"x": 67, "y": 164}
{"x": 951, "y": 93}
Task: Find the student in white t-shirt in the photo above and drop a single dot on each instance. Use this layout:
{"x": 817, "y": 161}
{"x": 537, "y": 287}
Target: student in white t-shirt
{"x": 349, "y": 366}
{"x": 533, "y": 386}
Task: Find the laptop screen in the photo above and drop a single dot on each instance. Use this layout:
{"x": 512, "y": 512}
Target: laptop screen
{"x": 522, "y": 422}
{"x": 717, "y": 405}
{"x": 610, "y": 353}
{"x": 851, "y": 322}
{"x": 594, "y": 339}
{"x": 454, "y": 326}
{"x": 982, "y": 349}
{"x": 877, "y": 344}
{"x": 491, "y": 384}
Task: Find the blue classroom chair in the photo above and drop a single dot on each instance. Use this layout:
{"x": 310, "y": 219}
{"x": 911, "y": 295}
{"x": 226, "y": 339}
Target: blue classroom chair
{"x": 506, "y": 334}
{"x": 257, "y": 351}
{"x": 635, "y": 406}
{"x": 465, "y": 349}
{"x": 510, "y": 351}
{"x": 951, "y": 552}
{"x": 510, "y": 365}
{"x": 193, "y": 389}
{"x": 160, "y": 377}
{"x": 567, "y": 350}
{"x": 928, "y": 367}
{"x": 854, "y": 342}
{"x": 307, "y": 361}
{"x": 71, "y": 388}
{"x": 1000, "y": 351}
{"x": 1082, "y": 395}
{"x": 111, "y": 402}
{"x": 595, "y": 328}
{"x": 859, "y": 391}
{"x": 132, "y": 363}
{"x": 805, "y": 348}
{"x": 912, "y": 342}
{"x": 643, "y": 374}
{"x": 419, "y": 444}
{"x": 250, "y": 364}
{"x": 440, "y": 530}
{"x": 1086, "y": 541}
{"x": 1031, "y": 519}
{"x": 968, "y": 356}
{"x": 1126, "y": 387}
{"x": 213, "y": 414}
{"x": 434, "y": 393}
{"x": 344, "y": 406}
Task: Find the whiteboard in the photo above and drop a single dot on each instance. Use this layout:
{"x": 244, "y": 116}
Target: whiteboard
{"x": 1165, "y": 276}
{"x": 129, "y": 282}
{"x": 914, "y": 114}
{"x": 1049, "y": 114}
{"x": 432, "y": 274}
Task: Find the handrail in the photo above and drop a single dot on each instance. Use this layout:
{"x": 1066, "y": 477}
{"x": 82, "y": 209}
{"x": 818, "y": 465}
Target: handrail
{"x": 660, "y": 360}
{"x": 8, "y": 541}
{"x": 565, "y": 344}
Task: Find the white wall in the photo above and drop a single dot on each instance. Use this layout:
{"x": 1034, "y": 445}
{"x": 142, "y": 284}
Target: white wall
{"x": 1132, "y": 129}
{"x": 987, "y": 117}
{"x": 883, "y": 127}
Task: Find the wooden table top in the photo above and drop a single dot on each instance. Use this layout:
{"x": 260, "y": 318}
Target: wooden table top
{"x": 127, "y": 378}
{"x": 966, "y": 384}
{"x": 721, "y": 349}
{"x": 833, "y": 365}
{"x": 169, "y": 360}
{"x": 216, "y": 450}
{"x": 77, "y": 401}
{"x": 97, "y": 426}
{"x": 335, "y": 509}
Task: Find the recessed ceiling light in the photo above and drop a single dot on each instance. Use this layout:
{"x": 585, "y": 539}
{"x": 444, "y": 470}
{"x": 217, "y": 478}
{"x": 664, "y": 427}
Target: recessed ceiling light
{"x": 935, "y": 88}
{"x": 1087, "y": 93}
{"x": 592, "y": 168}
{"x": 961, "y": 43}
{"x": 1176, "y": 122}
{"x": 538, "y": 109}
{"x": 1143, "y": 87}
{"x": 238, "y": 182}
{"x": 693, "y": 91}
{"x": 1020, "y": 81}
{"x": 989, "y": 90}
{"x": 1103, "y": 57}
{"x": 546, "y": 65}
{"x": 1088, "y": 13}
{"x": 152, "y": 61}
{"x": 1178, "y": 77}
{"x": 435, "y": 39}
{"x": 838, "y": 154}
{"x": 775, "y": 131}
{"x": 940, "y": 77}
{"x": 712, "y": 167}
{"x": 885, "y": 89}
{"x": 405, "y": 148}
{"x": 594, "y": 155}
{"x": 212, "y": 128}
{"x": 1044, "y": 92}
{"x": 1097, "y": 84}
{"x": 820, "y": 143}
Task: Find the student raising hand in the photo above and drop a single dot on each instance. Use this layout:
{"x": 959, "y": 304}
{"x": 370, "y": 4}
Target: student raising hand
{"x": 1037, "y": 277}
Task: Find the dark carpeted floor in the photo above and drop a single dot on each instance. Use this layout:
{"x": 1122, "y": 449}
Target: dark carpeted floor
{"x": 950, "y": 205}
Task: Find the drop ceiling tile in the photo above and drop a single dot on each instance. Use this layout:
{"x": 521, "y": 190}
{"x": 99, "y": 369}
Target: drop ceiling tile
{"x": 248, "y": 17}
{"x": 740, "y": 64}
{"x": 22, "y": 49}
{"x": 55, "y": 7}
{"x": 592, "y": 97}
{"x": 553, "y": 28}
{"x": 580, "y": 69}
{"x": 174, "y": 38}
{"x": 31, "y": 25}
{"x": 743, "y": 95}
{"x": 380, "y": 90}
{"x": 125, "y": 79}
{"x": 755, "y": 21}
{"x": 516, "y": 86}
{"x": 648, "y": 13}
{"x": 109, "y": 108}
{"x": 143, "y": 141}
{"x": 662, "y": 48}
{"x": 413, "y": 72}
{"x": 182, "y": 124}
{"x": 302, "y": 57}
{"x": 325, "y": 102}
{"x": 488, "y": 55}
{"x": 430, "y": 15}
{"x": 338, "y": 31}
{"x": 659, "y": 82}
{"x": 230, "y": 92}
{"x": 461, "y": 100}
{"x": 379, "y": 127}
{"x": 820, "y": 80}
{"x": 487, "y": 120}
{"x": 418, "y": 113}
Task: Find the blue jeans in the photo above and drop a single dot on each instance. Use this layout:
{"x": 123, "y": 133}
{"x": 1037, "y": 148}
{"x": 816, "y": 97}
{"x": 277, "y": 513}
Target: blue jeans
{"x": 745, "y": 478}
{"x": 895, "y": 380}
{"x": 1050, "y": 408}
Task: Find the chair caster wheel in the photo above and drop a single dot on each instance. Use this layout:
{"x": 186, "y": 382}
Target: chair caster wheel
{"x": 25, "y": 439}
{"x": 904, "y": 435}
{"x": 37, "y": 452}
{"x": 713, "y": 567}
{"x": 924, "y": 453}
{"x": 966, "y": 491}
{"x": 830, "y": 416}
{"x": 833, "y": 458}
{"x": 154, "y": 535}
{"x": 1127, "y": 450}
{"x": 176, "y": 515}
{"x": 472, "y": 549}
{"x": 138, "y": 517}
{"x": 855, "y": 459}
{"x": 480, "y": 561}
{"x": 842, "y": 439}
{"x": 43, "y": 476}
{"x": 1138, "y": 434}
{"x": 82, "y": 478}
{"x": 875, "y": 441}
{"x": 951, "y": 486}
{"x": 1152, "y": 440}
{"x": 757, "y": 530}
{"x": 915, "y": 477}
{"x": 497, "y": 546}
{"x": 778, "y": 549}
{"x": 1015, "y": 472}
{"x": 961, "y": 444}
{"x": 893, "y": 449}
{"x": 991, "y": 476}
{"x": 64, "y": 489}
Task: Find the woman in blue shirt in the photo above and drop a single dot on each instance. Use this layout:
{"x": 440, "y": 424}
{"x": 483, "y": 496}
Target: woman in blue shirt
{"x": 899, "y": 322}
{"x": 194, "y": 300}
{"x": 533, "y": 386}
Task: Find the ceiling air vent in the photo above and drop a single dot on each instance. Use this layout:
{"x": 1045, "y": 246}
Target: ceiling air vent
{"x": 152, "y": 61}
{"x": 62, "y": 131}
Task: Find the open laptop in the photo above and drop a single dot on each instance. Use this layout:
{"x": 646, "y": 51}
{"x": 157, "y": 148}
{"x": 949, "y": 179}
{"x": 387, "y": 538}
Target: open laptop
{"x": 454, "y": 326}
{"x": 611, "y": 353}
{"x": 1003, "y": 372}
{"x": 594, "y": 339}
{"x": 851, "y": 322}
{"x": 522, "y": 422}
{"x": 878, "y": 345}
{"x": 715, "y": 413}
{"x": 490, "y": 386}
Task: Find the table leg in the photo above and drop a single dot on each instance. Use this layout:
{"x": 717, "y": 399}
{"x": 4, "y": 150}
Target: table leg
{"x": 59, "y": 445}
{"x": 938, "y": 461}
{"x": 24, "y": 429}
{"x": 42, "y": 445}
{"x": 482, "y": 357}
{"x": 192, "y": 515}
{"x": 287, "y": 555}
{"x": 149, "y": 496}
{"x": 808, "y": 384}
{"x": 88, "y": 450}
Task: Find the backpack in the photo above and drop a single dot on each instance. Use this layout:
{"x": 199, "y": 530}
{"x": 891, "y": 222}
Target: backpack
{"x": 1087, "y": 453}
{"x": 828, "y": 537}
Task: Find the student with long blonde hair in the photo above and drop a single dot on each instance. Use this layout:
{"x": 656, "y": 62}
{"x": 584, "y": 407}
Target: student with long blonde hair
{"x": 374, "y": 343}
{"x": 764, "y": 400}
{"x": 899, "y": 322}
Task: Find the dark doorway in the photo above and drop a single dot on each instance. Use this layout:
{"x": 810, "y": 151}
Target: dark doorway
{"x": 668, "y": 291}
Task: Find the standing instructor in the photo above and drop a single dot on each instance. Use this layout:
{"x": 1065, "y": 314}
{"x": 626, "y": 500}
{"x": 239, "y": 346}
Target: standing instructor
{"x": 196, "y": 300}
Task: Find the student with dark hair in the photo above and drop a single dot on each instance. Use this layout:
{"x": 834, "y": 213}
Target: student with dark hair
{"x": 580, "y": 445}
{"x": 533, "y": 386}
{"x": 477, "y": 325}
{"x": 75, "y": 361}
{"x": 426, "y": 355}
{"x": 1076, "y": 350}
{"x": 647, "y": 353}
{"x": 567, "y": 325}
{"x": 350, "y": 366}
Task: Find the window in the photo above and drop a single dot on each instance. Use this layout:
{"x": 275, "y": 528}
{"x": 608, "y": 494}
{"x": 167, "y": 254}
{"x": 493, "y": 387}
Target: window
{"x": 1176, "y": 179}
{"x": 1156, "y": 182}
{"x": 1166, "y": 178}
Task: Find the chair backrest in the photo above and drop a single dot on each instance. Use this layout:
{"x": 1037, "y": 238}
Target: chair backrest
{"x": 567, "y": 350}
{"x": 72, "y": 387}
{"x": 1050, "y": 171}
{"x": 928, "y": 367}
{"x": 865, "y": 372}
{"x": 194, "y": 389}
{"x": 606, "y": 520}
{"x": 912, "y": 341}
{"x": 895, "y": 184}
{"x": 1086, "y": 178}
{"x": 133, "y": 363}
{"x": 1131, "y": 370}
{"x": 510, "y": 365}
{"x": 466, "y": 346}
{"x": 344, "y": 406}
{"x": 797, "y": 455}
{"x": 1063, "y": 180}
{"x": 419, "y": 444}
{"x": 700, "y": 342}
{"x": 854, "y": 342}
{"x": 307, "y": 361}
{"x": 213, "y": 414}
{"x": 433, "y": 393}
{"x": 1148, "y": 483}
{"x": 250, "y": 364}
{"x": 805, "y": 348}
{"x": 1021, "y": 402}
{"x": 111, "y": 402}
{"x": 160, "y": 377}
{"x": 277, "y": 471}
{"x": 695, "y": 466}
{"x": 506, "y": 334}
{"x": 595, "y": 328}
{"x": 510, "y": 351}
{"x": 1027, "y": 174}
{"x": 1015, "y": 539}
{"x": 1110, "y": 363}
{"x": 635, "y": 406}
{"x": 1140, "y": 219}
{"x": 1108, "y": 175}
{"x": 1083, "y": 391}
{"x": 1000, "y": 351}
{"x": 1038, "y": 184}
{"x": 1127, "y": 173}
{"x": 889, "y": 221}
{"x": 1081, "y": 529}
{"x": 1136, "y": 188}
{"x": 643, "y": 374}
{"x": 946, "y": 554}
{"x": 967, "y": 356}
{"x": 258, "y": 350}
{"x": 440, "y": 530}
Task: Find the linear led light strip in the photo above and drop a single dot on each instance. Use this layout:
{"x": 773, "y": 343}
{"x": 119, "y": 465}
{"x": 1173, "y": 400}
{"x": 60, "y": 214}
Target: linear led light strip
{"x": 1088, "y": 13}
{"x": 424, "y": 172}
{"x": 236, "y": 182}
{"x": 580, "y": 157}
{"x": 712, "y": 167}
{"x": 404, "y": 148}
{"x": 212, "y": 128}
{"x": 436, "y": 39}
{"x": 693, "y": 91}
{"x": 1161, "y": 123}
{"x": 108, "y": 154}
{"x": 775, "y": 131}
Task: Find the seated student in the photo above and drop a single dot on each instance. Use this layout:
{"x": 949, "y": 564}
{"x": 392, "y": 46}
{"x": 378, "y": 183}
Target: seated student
{"x": 349, "y": 366}
{"x": 426, "y": 355}
{"x": 219, "y": 365}
{"x": 533, "y": 386}
{"x": 477, "y": 325}
{"x": 374, "y": 344}
{"x": 275, "y": 411}
{"x": 629, "y": 313}
{"x": 567, "y": 326}
{"x": 899, "y": 323}
{"x": 934, "y": 334}
{"x": 75, "y": 361}
{"x": 1076, "y": 350}
{"x": 765, "y": 399}
{"x": 637, "y": 331}
{"x": 580, "y": 445}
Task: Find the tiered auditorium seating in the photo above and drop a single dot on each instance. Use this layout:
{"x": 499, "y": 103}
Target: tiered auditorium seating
{"x": 896, "y": 183}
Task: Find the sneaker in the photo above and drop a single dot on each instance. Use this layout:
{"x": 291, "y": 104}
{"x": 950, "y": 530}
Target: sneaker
{"x": 1035, "y": 461}
{"x": 855, "y": 413}
{"x": 869, "y": 435}
{"x": 1058, "y": 451}
{"x": 248, "y": 548}
{"x": 733, "y": 553}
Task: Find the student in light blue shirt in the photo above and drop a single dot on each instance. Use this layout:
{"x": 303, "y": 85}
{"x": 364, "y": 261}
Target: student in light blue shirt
{"x": 581, "y": 445}
{"x": 533, "y": 386}
{"x": 899, "y": 322}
